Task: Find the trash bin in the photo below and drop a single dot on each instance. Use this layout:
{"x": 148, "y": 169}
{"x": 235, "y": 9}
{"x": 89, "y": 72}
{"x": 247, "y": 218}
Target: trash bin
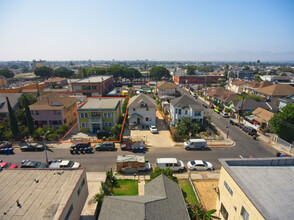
{"x": 231, "y": 121}
{"x": 90, "y": 150}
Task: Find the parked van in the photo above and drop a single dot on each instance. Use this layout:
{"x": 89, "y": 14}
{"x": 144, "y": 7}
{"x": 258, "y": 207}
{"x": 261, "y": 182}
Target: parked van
{"x": 195, "y": 144}
{"x": 172, "y": 163}
{"x": 250, "y": 130}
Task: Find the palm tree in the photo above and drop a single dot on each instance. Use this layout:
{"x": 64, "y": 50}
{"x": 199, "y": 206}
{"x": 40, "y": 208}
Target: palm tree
{"x": 197, "y": 212}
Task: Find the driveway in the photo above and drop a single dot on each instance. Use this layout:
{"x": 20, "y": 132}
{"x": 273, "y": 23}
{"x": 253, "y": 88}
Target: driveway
{"x": 162, "y": 139}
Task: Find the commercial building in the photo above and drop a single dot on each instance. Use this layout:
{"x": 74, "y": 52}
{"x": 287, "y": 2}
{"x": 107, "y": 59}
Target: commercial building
{"x": 93, "y": 86}
{"x": 197, "y": 79}
{"x": 256, "y": 188}
{"x": 42, "y": 193}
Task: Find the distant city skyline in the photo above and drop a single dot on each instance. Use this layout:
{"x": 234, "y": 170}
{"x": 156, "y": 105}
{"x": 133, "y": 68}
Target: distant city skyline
{"x": 190, "y": 30}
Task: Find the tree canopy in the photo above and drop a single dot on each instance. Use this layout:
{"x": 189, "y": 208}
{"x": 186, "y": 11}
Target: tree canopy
{"x": 7, "y": 73}
{"x": 283, "y": 123}
{"x": 43, "y": 71}
{"x": 158, "y": 72}
{"x": 158, "y": 171}
{"x": 187, "y": 127}
{"x": 63, "y": 72}
{"x": 257, "y": 78}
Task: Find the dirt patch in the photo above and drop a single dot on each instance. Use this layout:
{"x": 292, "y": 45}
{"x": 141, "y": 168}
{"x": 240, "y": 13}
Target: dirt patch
{"x": 206, "y": 192}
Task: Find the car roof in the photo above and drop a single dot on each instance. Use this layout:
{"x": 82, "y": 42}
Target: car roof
{"x": 197, "y": 140}
{"x": 198, "y": 161}
{"x": 166, "y": 160}
{"x": 55, "y": 164}
{"x": 2, "y": 164}
{"x": 64, "y": 162}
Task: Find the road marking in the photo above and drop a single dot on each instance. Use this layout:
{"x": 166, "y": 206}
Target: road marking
{"x": 240, "y": 156}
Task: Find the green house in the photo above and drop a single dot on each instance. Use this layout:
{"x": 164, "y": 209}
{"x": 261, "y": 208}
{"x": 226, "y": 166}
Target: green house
{"x": 99, "y": 113}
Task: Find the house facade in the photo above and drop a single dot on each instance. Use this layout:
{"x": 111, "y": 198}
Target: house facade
{"x": 99, "y": 114}
{"x": 93, "y": 86}
{"x": 166, "y": 88}
{"x": 285, "y": 101}
{"x": 142, "y": 110}
{"x": 53, "y": 110}
{"x": 185, "y": 107}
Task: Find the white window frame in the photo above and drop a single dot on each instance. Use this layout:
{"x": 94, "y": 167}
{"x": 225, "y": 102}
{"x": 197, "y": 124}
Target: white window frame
{"x": 244, "y": 214}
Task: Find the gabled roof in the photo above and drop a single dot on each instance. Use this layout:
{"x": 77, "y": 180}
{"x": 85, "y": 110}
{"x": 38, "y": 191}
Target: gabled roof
{"x": 135, "y": 101}
{"x": 166, "y": 85}
{"x": 186, "y": 101}
{"x": 163, "y": 199}
{"x": 53, "y": 101}
{"x": 239, "y": 82}
{"x": 265, "y": 84}
{"x": 13, "y": 99}
{"x": 277, "y": 90}
{"x": 263, "y": 114}
{"x": 252, "y": 104}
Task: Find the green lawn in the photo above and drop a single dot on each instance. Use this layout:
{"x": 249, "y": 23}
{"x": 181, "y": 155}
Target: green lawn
{"x": 126, "y": 188}
{"x": 188, "y": 191}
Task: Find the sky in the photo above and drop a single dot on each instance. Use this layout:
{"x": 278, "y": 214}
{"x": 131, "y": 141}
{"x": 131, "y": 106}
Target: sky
{"x": 161, "y": 30}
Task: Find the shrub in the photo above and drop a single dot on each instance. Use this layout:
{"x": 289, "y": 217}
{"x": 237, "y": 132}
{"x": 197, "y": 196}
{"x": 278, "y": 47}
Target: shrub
{"x": 85, "y": 130}
{"x": 53, "y": 137}
{"x": 38, "y": 134}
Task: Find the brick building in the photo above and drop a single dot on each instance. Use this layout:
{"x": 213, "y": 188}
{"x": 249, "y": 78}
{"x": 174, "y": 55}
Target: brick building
{"x": 197, "y": 79}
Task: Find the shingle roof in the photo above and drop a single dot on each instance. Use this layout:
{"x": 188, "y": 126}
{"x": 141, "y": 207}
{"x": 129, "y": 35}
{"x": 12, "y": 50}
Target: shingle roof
{"x": 239, "y": 82}
{"x": 277, "y": 90}
{"x": 163, "y": 199}
{"x": 263, "y": 114}
{"x": 135, "y": 100}
{"x": 185, "y": 101}
{"x": 251, "y": 105}
{"x": 53, "y": 101}
{"x": 13, "y": 99}
{"x": 166, "y": 85}
{"x": 265, "y": 84}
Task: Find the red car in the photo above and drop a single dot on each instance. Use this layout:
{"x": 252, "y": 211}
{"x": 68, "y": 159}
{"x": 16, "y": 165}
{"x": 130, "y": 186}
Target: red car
{"x": 8, "y": 165}
{"x": 5, "y": 144}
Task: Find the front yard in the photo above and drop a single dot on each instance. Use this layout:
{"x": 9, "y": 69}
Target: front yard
{"x": 189, "y": 194}
{"x": 126, "y": 188}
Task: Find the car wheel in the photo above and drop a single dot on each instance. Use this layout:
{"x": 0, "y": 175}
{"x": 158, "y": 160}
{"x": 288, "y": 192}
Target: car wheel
{"x": 194, "y": 169}
{"x": 209, "y": 169}
{"x": 188, "y": 148}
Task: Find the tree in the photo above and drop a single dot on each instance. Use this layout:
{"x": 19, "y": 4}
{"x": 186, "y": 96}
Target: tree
{"x": 191, "y": 70}
{"x": 43, "y": 71}
{"x": 246, "y": 68}
{"x": 63, "y": 72}
{"x": 198, "y": 212}
{"x": 158, "y": 171}
{"x": 7, "y": 73}
{"x": 232, "y": 74}
{"x": 283, "y": 123}
{"x": 257, "y": 78}
{"x": 258, "y": 62}
{"x": 12, "y": 119}
{"x": 187, "y": 127}
{"x": 283, "y": 74}
{"x": 29, "y": 119}
{"x": 158, "y": 72}
{"x": 227, "y": 67}
{"x": 116, "y": 130}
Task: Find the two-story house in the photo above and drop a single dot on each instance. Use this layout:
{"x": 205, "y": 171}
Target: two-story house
{"x": 165, "y": 88}
{"x": 99, "y": 113}
{"x": 142, "y": 110}
{"x": 53, "y": 110}
{"x": 185, "y": 107}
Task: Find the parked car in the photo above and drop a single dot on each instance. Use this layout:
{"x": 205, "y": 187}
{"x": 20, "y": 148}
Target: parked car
{"x": 5, "y": 144}
{"x": 32, "y": 147}
{"x": 64, "y": 164}
{"x": 216, "y": 110}
{"x": 103, "y": 134}
{"x": 204, "y": 105}
{"x": 135, "y": 147}
{"x": 195, "y": 144}
{"x": 105, "y": 146}
{"x": 224, "y": 114}
{"x": 250, "y": 130}
{"x": 32, "y": 164}
{"x": 80, "y": 148}
{"x": 240, "y": 125}
{"x": 172, "y": 163}
{"x": 199, "y": 165}
{"x": 7, "y": 165}
{"x": 153, "y": 129}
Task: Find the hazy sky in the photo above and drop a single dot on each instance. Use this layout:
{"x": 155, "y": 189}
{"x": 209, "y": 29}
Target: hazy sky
{"x": 221, "y": 30}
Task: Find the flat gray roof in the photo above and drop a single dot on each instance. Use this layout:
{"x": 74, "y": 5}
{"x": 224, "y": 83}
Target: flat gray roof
{"x": 93, "y": 79}
{"x": 100, "y": 104}
{"x": 267, "y": 182}
{"x": 41, "y": 199}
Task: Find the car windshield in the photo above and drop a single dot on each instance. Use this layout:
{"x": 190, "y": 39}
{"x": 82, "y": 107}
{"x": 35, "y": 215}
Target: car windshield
{"x": 192, "y": 162}
{"x": 178, "y": 163}
{"x": 188, "y": 142}
{"x": 7, "y": 165}
{"x": 37, "y": 164}
{"x": 204, "y": 162}
{"x": 70, "y": 163}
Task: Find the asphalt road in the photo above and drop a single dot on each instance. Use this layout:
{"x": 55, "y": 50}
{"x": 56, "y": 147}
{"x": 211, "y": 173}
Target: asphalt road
{"x": 102, "y": 161}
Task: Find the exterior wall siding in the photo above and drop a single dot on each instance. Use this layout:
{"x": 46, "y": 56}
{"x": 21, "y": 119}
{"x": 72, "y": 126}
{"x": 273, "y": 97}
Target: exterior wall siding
{"x": 190, "y": 114}
{"x": 150, "y": 114}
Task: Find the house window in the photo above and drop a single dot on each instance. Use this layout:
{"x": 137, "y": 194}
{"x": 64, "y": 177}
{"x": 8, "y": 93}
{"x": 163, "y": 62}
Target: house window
{"x": 224, "y": 212}
{"x": 244, "y": 214}
{"x": 35, "y": 112}
{"x": 86, "y": 115}
{"x": 176, "y": 110}
{"x": 146, "y": 119}
{"x": 196, "y": 113}
{"x": 186, "y": 112}
{"x": 180, "y": 111}
{"x": 56, "y": 112}
{"x": 228, "y": 188}
{"x": 93, "y": 87}
{"x": 109, "y": 114}
{"x": 84, "y": 125}
{"x": 86, "y": 87}
{"x": 134, "y": 109}
{"x": 108, "y": 124}
{"x": 69, "y": 212}
{"x": 82, "y": 115}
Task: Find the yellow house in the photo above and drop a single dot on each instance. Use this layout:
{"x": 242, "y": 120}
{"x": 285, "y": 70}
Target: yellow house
{"x": 256, "y": 188}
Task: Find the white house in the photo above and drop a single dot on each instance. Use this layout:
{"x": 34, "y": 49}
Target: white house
{"x": 166, "y": 88}
{"x": 185, "y": 107}
{"x": 142, "y": 110}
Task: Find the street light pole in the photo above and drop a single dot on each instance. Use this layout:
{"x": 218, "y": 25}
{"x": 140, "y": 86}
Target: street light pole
{"x": 45, "y": 150}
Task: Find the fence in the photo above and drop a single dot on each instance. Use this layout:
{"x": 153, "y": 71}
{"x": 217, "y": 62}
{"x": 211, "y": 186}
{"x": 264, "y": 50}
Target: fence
{"x": 285, "y": 145}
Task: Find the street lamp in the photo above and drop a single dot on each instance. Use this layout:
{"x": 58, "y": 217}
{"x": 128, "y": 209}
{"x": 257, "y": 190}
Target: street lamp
{"x": 45, "y": 150}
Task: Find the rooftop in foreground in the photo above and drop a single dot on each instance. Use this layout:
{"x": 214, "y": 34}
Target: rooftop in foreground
{"x": 93, "y": 79}
{"x": 42, "y": 193}
{"x": 267, "y": 182}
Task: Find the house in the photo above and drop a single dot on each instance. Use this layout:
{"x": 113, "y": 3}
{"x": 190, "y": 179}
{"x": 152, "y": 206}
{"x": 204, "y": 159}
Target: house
{"x": 43, "y": 193}
{"x": 221, "y": 95}
{"x": 93, "y": 86}
{"x": 237, "y": 86}
{"x": 185, "y": 107}
{"x": 255, "y": 188}
{"x": 163, "y": 199}
{"x": 251, "y": 87}
{"x": 262, "y": 117}
{"x": 285, "y": 101}
{"x": 56, "y": 81}
{"x": 13, "y": 100}
{"x": 142, "y": 110}
{"x": 275, "y": 92}
{"x": 165, "y": 88}
{"x": 249, "y": 105}
{"x": 99, "y": 113}
{"x": 53, "y": 110}
{"x": 280, "y": 79}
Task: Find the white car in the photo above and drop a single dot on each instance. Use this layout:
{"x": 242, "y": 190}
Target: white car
{"x": 64, "y": 164}
{"x": 224, "y": 114}
{"x": 153, "y": 129}
{"x": 199, "y": 165}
